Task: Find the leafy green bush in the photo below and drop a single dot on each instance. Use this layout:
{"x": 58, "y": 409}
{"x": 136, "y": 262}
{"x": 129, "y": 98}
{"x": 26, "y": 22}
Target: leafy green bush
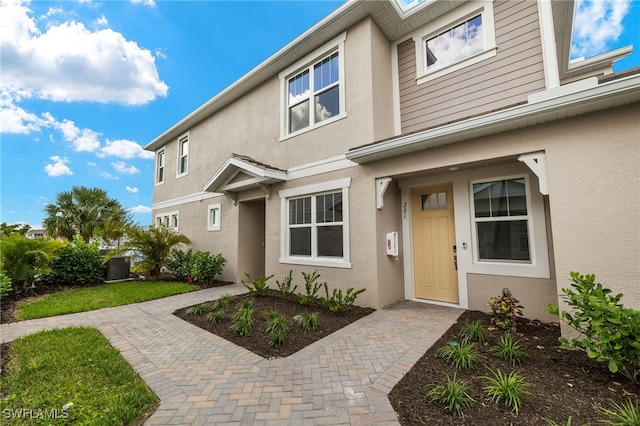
{"x": 311, "y": 288}
{"x": 610, "y": 332}
{"x": 277, "y": 327}
{"x": 473, "y": 331}
{"x": 460, "y": 356}
{"x": 195, "y": 266}
{"x": 26, "y": 260}
{"x": 505, "y": 309}
{"x": 243, "y": 319}
{"x": 309, "y": 321}
{"x": 627, "y": 414}
{"x": 284, "y": 287}
{"x": 507, "y": 388}
{"x": 454, "y": 395}
{"x": 257, "y": 286}
{"x": 77, "y": 264}
{"x": 5, "y": 282}
{"x": 336, "y": 302}
{"x": 509, "y": 349}
{"x": 179, "y": 264}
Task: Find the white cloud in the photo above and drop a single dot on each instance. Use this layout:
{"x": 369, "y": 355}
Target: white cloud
{"x": 121, "y": 167}
{"x": 81, "y": 139}
{"x": 124, "y": 149}
{"x": 597, "y": 24}
{"x": 150, "y": 3}
{"x": 132, "y": 189}
{"x": 59, "y": 166}
{"x": 68, "y": 62}
{"x": 14, "y": 119}
{"x": 140, "y": 209}
{"x": 102, "y": 21}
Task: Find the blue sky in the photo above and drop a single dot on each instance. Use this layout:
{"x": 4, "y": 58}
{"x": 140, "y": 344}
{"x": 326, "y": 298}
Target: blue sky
{"x": 85, "y": 84}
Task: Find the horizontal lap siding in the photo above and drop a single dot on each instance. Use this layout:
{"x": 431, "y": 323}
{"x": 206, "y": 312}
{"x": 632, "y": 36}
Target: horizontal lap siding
{"x": 506, "y": 79}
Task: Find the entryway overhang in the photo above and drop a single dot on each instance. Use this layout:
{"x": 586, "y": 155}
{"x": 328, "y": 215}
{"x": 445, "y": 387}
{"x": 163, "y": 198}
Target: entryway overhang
{"x": 240, "y": 173}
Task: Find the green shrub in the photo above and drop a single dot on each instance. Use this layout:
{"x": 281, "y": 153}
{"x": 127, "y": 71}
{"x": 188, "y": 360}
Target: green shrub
{"x": 215, "y": 316}
{"x": 454, "y": 395}
{"x": 243, "y": 318}
{"x": 610, "y": 332}
{"x": 507, "y": 388}
{"x": 551, "y": 422}
{"x": 461, "y": 356}
{"x": 222, "y": 304}
{"x": 311, "y": 288}
{"x": 179, "y": 264}
{"x": 284, "y": 287}
{"x": 257, "y": 286}
{"x": 505, "y": 309}
{"x": 309, "y": 321}
{"x": 336, "y": 302}
{"x": 26, "y": 260}
{"x": 5, "y": 282}
{"x": 627, "y": 414}
{"x": 277, "y": 327}
{"x": 473, "y": 331}
{"x": 195, "y": 266}
{"x": 77, "y": 264}
{"x": 197, "y": 310}
{"x": 509, "y": 349}
{"x": 205, "y": 266}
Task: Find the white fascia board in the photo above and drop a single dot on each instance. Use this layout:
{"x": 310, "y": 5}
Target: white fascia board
{"x": 484, "y": 125}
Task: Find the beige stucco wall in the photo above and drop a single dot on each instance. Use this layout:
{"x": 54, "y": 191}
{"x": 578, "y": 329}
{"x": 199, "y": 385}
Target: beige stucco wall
{"x": 593, "y": 208}
{"x": 594, "y": 182}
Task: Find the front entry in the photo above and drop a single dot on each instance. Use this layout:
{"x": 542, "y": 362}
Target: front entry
{"x": 434, "y": 253}
{"x": 251, "y": 238}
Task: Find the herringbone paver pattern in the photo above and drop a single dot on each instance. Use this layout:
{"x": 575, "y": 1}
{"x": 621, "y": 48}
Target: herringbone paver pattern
{"x": 202, "y": 379}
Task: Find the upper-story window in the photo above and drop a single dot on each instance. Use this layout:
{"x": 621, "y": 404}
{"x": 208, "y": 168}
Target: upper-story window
{"x": 458, "y": 39}
{"x": 313, "y": 89}
{"x": 160, "y": 165}
{"x": 183, "y": 155}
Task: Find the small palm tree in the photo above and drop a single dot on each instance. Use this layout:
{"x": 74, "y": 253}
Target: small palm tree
{"x": 24, "y": 259}
{"x": 151, "y": 247}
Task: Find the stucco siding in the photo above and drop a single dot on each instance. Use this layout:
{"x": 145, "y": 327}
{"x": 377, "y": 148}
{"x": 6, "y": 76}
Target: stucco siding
{"x": 505, "y": 79}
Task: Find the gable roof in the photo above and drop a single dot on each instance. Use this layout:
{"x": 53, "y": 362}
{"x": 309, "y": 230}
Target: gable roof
{"x": 240, "y": 173}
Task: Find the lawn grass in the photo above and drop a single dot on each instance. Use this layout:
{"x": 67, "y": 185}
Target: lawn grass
{"x": 90, "y": 298}
{"x": 50, "y": 369}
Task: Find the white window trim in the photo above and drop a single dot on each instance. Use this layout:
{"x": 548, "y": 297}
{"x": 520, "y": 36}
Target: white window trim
{"x": 329, "y": 48}
{"x": 157, "y": 168}
{"x": 538, "y": 266}
{"x": 181, "y": 139}
{"x": 449, "y": 20}
{"x": 311, "y": 190}
{"x": 167, "y": 216}
{"x": 213, "y": 226}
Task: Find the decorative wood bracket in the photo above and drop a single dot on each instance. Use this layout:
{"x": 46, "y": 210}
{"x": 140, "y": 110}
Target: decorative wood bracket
{"x": 233, "y": 196}
{"x": 266, "y": 189}
{"x": 381, "y": 187}
{"x": 538, "y": 165}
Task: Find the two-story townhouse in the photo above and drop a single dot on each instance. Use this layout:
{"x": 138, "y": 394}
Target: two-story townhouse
{"x": 438, "y": 153}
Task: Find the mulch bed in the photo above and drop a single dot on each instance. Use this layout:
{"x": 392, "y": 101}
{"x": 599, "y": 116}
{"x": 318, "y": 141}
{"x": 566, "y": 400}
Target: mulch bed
{"x": 296, "y": 339}
{"x": 563, "y": 383}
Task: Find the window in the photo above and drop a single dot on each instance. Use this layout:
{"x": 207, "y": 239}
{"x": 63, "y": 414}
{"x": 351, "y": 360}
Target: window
{"x": 455, "y": 44}
{"x": 315, "y": 225}
{"x": 169, "y": 219}
{"x": 313, "y": 89}
{"x": 213, "y": 217}
{"x": 501, "y": 219}
{"x": 160, "y": 167}
{"x": 183, "y": 155}
{"x": 460, "y": 38}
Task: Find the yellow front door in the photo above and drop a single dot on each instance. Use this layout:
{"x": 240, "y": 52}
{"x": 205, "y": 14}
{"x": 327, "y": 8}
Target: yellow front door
{"x": 434, "y": 262}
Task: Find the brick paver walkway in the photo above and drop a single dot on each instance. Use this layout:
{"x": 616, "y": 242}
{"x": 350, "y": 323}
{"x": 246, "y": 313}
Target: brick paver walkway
{"x": 202, "y": 379}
